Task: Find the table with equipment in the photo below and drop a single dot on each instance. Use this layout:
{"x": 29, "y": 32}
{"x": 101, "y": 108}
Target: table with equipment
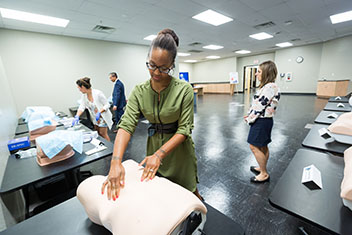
{"x": 331, "y": 106}
{"x": 322, "y": 207}
{"x": 314, "y": 140}
{"x": 323, "y": 117}
{"x": 70, "y": 217}
{"x": 22, "y": 173}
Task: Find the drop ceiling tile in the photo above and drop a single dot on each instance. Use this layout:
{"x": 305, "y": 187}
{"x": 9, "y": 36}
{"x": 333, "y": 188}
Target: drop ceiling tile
{"x": 99, "y": 10}
{"x": 122, "y": 7}
{"x": 299, "y": 6}
{"x": 62, "y": 4}
{"x": 260, "y": 5}
{"x": 84, "y": 34}
{"x": 136, "y": 19}
{"x": 339, "y": 7}
{"x": 182, "y": 7}
{"x": 278, "y": 12}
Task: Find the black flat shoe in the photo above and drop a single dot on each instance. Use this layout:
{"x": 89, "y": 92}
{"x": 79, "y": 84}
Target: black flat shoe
{"x": 255, "y": 180}
{"x": 255, "y": 171}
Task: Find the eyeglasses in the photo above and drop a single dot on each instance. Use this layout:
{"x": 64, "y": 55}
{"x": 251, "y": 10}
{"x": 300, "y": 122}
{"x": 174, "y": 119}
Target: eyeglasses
{"x": 161, "y": 69}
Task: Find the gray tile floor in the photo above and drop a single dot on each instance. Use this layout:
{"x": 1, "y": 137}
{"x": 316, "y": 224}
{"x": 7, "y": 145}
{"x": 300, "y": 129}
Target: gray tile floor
{"x": 224, "y": 158}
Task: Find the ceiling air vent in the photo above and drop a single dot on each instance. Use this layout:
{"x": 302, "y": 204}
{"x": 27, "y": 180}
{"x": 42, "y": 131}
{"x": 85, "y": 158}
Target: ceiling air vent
{"x": 264, "y": 25}
{"x": 193, "y": 44}
{"x": 195, "y": 51}
{"x": 295, "y": 39}
{"x": 103, "y": 29}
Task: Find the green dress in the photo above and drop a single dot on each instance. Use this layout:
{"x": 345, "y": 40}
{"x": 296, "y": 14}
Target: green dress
{"x": 175, "y": 105}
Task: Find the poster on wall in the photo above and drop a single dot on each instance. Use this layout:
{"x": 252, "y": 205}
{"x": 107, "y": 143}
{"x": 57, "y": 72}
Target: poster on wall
{"x": 184, "y": 76}
{"x": 288, "y": 76}
{"x": 233, "y": 77}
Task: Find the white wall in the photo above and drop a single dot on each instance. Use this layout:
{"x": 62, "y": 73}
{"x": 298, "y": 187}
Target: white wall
{"x": 304, "y": 75}
{"x": 336, "y": 60}
{"x": 214, "y": 70}
{"x": 328, "y": 60}
{"x": 42, "y": 68}
{"x": 8, "y": 117}
{"x": 187, "y": 67}
{"x": 250, "y": 60}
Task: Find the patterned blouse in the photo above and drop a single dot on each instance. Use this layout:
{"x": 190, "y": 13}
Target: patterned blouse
{"x": 264, "y": 103}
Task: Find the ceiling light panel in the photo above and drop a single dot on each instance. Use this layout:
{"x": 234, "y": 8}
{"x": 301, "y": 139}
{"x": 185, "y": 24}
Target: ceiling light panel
{"x": 284, "y": 44}
{"x": 150, "y": 37}
{"x": 183, "y": 54}
{"x": 243, "y": 52}
{"x": 212, "y": 17}
{"x": 341, "y": 17}
{"x": 213, "y": 57}
{"x": 34, "y": 18}
{"x": 213, "y": 47}
{"x": 261, "y": 36}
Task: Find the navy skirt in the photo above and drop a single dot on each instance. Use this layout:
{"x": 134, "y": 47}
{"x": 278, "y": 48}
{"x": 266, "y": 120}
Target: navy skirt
{"x": 260, "y": 132}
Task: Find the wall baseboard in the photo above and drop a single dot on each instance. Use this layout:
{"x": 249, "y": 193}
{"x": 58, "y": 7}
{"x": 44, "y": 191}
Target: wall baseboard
{"x": 297, "y": 93}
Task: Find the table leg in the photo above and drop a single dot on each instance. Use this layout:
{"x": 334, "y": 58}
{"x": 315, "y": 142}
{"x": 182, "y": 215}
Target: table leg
{"x": 25, "y": 191}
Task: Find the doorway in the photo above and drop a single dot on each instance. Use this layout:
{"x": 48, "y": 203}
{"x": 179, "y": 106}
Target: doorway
{"x": 250, "y": 81}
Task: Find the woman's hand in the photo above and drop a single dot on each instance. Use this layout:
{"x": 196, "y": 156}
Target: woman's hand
{"x": 152, "y": 164}
{"x": 115, "y": 181}
{"x": 245, "y": 118}
{"x": 97, "y": 116}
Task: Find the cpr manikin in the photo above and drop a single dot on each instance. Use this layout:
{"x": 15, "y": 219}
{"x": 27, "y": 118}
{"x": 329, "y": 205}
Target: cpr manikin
{"x": 33, "y": 134}
{"x": 156, "y": 207}
{"x": 43, "y": 160}
{"x": 346, "y": 185}
{"x": 343, "y": 125}
{"x": 58, "y": 145}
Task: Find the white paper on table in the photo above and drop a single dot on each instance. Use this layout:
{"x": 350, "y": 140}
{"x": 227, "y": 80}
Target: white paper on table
{"x": 340, "y": 105}
{"x": 332, "y": 115}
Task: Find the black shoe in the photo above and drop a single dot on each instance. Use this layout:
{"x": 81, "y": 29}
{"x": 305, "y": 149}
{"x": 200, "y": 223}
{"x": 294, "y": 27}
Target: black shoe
{"x": 255, "y": 171}
{"x": 255, "y": 180}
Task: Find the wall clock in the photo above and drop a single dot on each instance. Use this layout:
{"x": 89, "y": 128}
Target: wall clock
{"x": 299, "y": 59}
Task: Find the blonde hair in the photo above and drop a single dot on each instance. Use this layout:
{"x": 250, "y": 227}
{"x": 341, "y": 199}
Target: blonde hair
{"x": 269, "y": 72}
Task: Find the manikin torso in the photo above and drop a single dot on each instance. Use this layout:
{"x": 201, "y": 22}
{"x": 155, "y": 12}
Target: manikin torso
{"x": 153, "y": 207}
{"x": 343, "y": 124}
{"x": 346, "y": 185}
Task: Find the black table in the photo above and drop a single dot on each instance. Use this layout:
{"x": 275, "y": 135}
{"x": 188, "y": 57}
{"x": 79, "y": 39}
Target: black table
{"x": 59, "y": 114}
{"x": 320, "y": 207}
{"x": 21, "y": 121}
{"x": 330, "y": 106}
{"x": 70, "y": 218}
{"x": 344, "y": 99}
{"x": 23, "y": 172}
{"x": 314, "y": 140}
{"x": 323, "y": 119}
{"x": 21, "y": 129}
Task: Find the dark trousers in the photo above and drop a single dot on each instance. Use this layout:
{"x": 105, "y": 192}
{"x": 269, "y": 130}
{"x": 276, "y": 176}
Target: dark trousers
{"x": 118, "y": 115}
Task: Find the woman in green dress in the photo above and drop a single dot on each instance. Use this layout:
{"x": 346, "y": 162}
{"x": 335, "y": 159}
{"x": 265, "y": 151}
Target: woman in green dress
{"x": 167, "y": 103}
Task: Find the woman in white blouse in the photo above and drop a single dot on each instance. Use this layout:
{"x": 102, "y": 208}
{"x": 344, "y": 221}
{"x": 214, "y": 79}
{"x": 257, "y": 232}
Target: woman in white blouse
{"x": 97, "y": 105}
{"x": 260, "y": 118}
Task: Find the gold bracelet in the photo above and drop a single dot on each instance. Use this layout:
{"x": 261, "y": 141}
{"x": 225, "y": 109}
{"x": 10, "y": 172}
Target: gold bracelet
{"x": 160, "y": 159}
{"x": 116, "y": 158}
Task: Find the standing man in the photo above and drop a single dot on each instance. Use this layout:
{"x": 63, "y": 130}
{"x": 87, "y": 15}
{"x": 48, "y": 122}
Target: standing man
{"x": 118, "y": 97}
